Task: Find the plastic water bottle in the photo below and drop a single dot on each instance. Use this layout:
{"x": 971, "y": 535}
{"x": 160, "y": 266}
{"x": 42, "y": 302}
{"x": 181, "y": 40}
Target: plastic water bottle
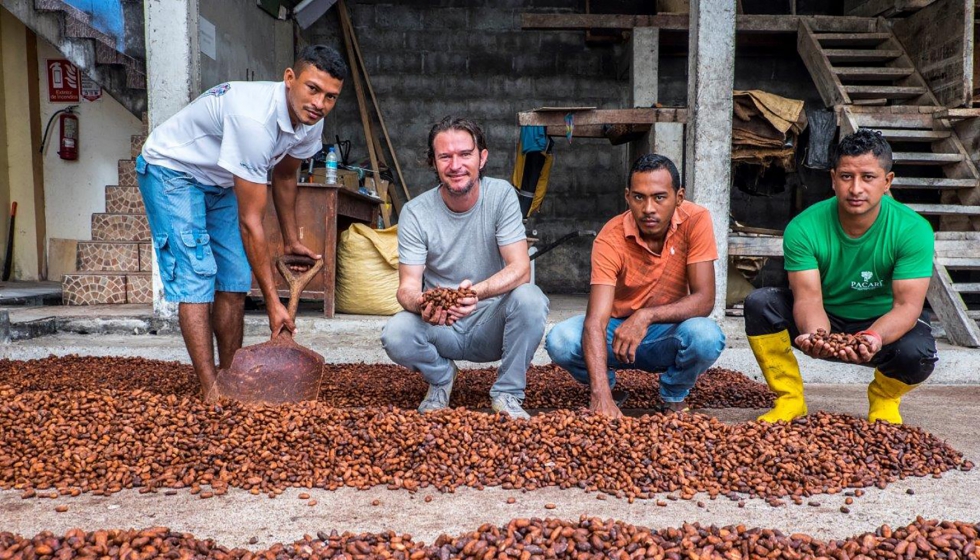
{"x": 331, "y": 166}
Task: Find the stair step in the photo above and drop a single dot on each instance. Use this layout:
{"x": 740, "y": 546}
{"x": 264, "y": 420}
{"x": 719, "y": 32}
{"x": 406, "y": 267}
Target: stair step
{"x": 120, "y": 227}
{"x": 127, "y": 173}
{"x": 830, "y": 40}
{"x": 967, "y": 288}
{"x": 945, "y": 209}
{"x": 884, "y": 92}
{"x": 959, "y": 263}
{"x": 926, "y": 158}
{"x": 973, "y": 314}
{"x": 123, "y": 200}
{"x": 862, "y": 55}
{"x": 109, "y": 256}
{"x": 136, "y": 144}
{"x": 912, "y": 135}
{"x": 95, "y": 288}
{"x": 871, "y": 73}
{"x": 933, "y": 183}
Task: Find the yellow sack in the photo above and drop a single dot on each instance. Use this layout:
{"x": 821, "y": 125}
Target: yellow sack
{"x": 367, "y": 271}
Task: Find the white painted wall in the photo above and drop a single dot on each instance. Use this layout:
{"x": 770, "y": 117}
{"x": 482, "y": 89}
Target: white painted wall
{"x": 74, "y": 190}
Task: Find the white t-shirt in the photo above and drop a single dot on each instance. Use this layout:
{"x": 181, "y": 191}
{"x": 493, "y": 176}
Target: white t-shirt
{"x": 234, "y": 128}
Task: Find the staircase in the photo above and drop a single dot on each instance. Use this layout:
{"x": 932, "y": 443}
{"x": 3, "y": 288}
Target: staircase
{"x": 871, "y": 82}
{"x": 71, "y": 31}
{"x": 114, "y": 267}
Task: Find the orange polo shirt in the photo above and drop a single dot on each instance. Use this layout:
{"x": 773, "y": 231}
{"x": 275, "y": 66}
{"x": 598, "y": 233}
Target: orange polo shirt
{"x": 643, "y": 278}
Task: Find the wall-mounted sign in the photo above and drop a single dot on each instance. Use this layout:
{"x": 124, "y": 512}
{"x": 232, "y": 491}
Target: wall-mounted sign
{"x": 90, "y": 89}
{"x": 208, "y": 38}
{"x": 63, "y": 82}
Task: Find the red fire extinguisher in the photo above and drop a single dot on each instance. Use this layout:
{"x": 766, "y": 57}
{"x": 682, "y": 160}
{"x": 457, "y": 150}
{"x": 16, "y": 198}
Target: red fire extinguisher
{"x": 68, "y": 129}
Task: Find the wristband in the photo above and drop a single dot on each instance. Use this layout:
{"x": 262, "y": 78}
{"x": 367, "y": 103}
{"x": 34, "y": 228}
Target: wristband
{"x": 872, "y": 334}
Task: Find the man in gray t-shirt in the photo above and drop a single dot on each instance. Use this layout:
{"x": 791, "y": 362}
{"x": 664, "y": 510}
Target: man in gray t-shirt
{"x": 466, "y": 233}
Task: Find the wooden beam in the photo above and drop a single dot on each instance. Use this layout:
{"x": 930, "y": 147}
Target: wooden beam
{"x": 604, "y": 116}
{"x": 754, "y": 246}
{"x": 679, "y": 22}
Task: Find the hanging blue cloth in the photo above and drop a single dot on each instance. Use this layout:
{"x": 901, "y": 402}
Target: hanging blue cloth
{"x": 533, "y": 139}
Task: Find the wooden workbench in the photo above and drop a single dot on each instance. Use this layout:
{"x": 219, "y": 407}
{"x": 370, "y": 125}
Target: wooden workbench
{"x": 322, "y": 211}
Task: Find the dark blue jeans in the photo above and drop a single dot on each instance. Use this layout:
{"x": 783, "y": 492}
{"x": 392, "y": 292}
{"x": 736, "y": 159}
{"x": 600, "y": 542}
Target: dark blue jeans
{"x": 682, "y": 351}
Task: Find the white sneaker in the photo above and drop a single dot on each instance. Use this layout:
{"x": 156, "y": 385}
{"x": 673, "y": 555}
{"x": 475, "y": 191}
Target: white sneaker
{"x": 510, "y": 405}
{"x": 438, "y": 396}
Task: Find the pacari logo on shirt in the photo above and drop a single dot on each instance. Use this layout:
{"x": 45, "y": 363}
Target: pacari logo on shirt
{"x": 218, "y": 90}
{"x": 866, "y": 283}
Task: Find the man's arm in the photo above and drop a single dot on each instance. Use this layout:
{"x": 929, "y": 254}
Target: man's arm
{"x": 251, "y": 209}
{"x": 517, "y": 271}
{"x": 808, "y": 311}
{"x": 594, "y": 347}
{"x": 698, "y": 303}
{"x": 409, "y": 295}
{"x": 284, "y": 197}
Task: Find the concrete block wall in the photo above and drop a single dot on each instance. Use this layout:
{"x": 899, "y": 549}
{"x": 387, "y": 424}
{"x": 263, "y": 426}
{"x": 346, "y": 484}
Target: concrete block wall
{"x": 427, "y": 59}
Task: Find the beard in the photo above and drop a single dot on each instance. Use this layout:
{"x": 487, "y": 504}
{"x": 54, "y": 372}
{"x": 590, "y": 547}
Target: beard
{"x": 459, "y": 192}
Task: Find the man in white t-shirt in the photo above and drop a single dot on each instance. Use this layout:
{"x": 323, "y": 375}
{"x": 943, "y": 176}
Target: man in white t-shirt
{"x": 203, "y": 173}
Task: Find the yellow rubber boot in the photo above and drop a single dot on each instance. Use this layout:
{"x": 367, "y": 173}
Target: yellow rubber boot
{"x": 782, "y": 372}
{"x": 884, "y": 396}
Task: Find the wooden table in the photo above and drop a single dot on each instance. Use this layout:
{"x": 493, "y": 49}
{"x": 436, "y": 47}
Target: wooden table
{"x": 322, "y": 210}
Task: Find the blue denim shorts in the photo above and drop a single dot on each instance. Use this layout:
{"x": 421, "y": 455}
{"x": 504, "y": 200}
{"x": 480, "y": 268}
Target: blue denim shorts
{"x": 195, "y": 235}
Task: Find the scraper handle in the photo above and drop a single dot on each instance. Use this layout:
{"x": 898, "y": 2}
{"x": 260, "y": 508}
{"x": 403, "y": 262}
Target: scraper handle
{"x": 297, "y": 281}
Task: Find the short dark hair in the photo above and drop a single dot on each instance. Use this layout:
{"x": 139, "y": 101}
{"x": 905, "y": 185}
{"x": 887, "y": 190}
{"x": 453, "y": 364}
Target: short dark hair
{"x": 654, "y": 162}
{"x": 326, "y": 59}
{"x": 864, "y": 141}
{"x": 451, "y": 122}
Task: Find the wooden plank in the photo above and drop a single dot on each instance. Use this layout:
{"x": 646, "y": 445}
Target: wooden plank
{"x": 862, "y": 55}
{"x": 604, "y": 116}
{"x": 945, "y": 209}
{"x": 872, "y": 73}
{"x": 949, "y": 307}
{"x": 832, "y": 40}
{"x": 912, "y": 134}
{"x": 932, "y": 183}
{"x": 754, "y": 246}
{"x": 959, "y": 263}
{"x": 925, "y": 158}
{"x": 817, "y": 63}
{"x": 939, "y": 41}
{"x": 679, "y": 22}
{"x": 885, "y": 92}
{"x": 958, "y": 113}
{"x": 967, "y": 287}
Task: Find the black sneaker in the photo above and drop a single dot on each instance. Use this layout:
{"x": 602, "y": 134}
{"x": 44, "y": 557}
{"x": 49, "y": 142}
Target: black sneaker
{"x": 619, "y": 396}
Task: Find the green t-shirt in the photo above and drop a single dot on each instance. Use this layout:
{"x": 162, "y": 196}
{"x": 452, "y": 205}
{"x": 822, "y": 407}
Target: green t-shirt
{"x": 856, "y": 274}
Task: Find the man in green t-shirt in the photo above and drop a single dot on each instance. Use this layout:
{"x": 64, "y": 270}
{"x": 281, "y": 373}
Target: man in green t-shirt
{"x": 858, "y": 263}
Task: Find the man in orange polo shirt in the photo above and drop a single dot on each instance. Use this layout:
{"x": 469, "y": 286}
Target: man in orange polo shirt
{"x": 653, "y": 286}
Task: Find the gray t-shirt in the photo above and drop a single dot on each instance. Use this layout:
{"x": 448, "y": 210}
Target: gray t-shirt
{"x": 458, "y": 246}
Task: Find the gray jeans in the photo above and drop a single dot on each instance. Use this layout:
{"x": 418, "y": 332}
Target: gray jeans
{"x": 508, "y": 328}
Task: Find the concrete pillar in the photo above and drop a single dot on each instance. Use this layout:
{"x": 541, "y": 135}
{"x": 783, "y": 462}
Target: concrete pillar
{"x": 664, "y": 138}
{"x": 711, "y": 76}
{"x": 173, "y": 72}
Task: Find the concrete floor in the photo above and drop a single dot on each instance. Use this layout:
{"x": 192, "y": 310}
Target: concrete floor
{"x": 948, "y": 407}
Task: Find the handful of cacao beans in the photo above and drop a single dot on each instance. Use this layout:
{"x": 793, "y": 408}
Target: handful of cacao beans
{"x": 446, "y": 297}
{"x": 837, "y": 341}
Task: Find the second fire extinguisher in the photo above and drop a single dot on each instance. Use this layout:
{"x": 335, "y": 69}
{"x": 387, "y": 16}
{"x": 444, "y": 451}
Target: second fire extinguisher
{"x": 68, "y": 133}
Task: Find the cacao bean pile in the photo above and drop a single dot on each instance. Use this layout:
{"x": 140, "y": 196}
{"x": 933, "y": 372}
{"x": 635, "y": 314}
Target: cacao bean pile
{"x": 530, "y": 539}
{"x": 357, "y": 385}
{"x": 835, "y": 342}
{"x": 446, "y": 297}
{"x": 68, "y": 442}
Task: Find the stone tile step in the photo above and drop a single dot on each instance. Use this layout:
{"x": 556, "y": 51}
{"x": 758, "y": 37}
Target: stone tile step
{"x": 933, "y": 183}
{"x": 112, "y": 256}
{"x": 861, "y": 55}
{"x": 123, "y": 200}
{"x": 136, "y": 144}
{"x": 127, "y": 173}
{"x": 94, "y": 288}
{"x": 884, "y": 92}
{"x": 926, "y": 158}
{"x": 120, "y": 227}
{"x": 858, "y": 40}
